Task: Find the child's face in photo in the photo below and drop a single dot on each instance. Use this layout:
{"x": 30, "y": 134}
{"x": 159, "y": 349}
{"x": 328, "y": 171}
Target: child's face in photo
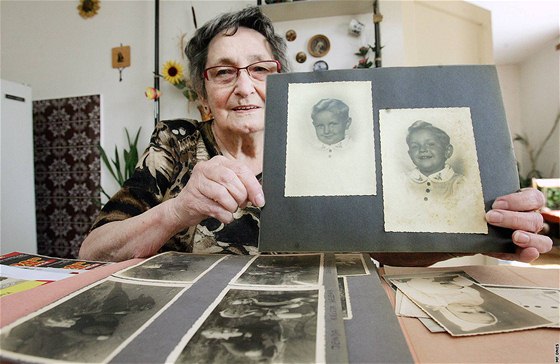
{"x": 329, "y": 129}
{"x": 427, "y": 152}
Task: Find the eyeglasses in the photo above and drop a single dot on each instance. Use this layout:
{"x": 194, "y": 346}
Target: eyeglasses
{"x": 227, "y": 75}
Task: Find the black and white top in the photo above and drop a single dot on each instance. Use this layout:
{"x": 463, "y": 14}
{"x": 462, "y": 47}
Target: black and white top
{"x": 176, "y": 146}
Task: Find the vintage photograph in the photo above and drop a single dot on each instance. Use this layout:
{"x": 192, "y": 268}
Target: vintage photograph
{"x": 258, "y": 326}
{"x": 319, "y": 45}
{"x": 331, "y": 124}
{"x": 344, "y": 298}
{"x": 283, "y": 270}
{"x": 431, "y": 177}
{"x": 463, "y": 307}
{"x": 171, "y": 267}
{"x": 542, "y": 301}
{"x": 350, "y": 265}
{"x": 88, "y": 327}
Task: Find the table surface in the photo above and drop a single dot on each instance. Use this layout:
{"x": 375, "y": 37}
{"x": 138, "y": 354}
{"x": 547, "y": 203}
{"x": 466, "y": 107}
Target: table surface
{"x": 551, "y": 216}
{"x": 527, "y": 346}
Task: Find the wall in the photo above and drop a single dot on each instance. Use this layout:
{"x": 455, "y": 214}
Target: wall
{"x": 540, "y": 103}
{"x": 59, "y": 54}
{"x": 531, "y": 94}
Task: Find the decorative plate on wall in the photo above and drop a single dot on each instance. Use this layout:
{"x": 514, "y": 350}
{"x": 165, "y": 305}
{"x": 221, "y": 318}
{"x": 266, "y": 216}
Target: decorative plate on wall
{"x": 320, "y": 66}
{"x": 301, "y": 57}
{"x": 319, "y": 45}
{"x": 291, "y": 35}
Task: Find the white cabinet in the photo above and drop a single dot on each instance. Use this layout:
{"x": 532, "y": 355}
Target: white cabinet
{"x": 17, "y": 182}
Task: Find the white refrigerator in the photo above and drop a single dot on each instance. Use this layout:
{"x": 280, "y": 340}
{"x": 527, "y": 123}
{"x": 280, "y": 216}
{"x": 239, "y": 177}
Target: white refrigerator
{"x": 17, "y": 181}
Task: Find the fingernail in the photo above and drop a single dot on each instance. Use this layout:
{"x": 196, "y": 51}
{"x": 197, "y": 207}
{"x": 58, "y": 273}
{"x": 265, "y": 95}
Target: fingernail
{"x": 494, "y": 217}
{"x": 500, "y": 204}
{"x": 522, "y": 238}
{"x": 259, "y": 200}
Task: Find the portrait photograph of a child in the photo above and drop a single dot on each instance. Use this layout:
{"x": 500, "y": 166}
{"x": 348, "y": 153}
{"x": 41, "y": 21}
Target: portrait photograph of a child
{"x": 330, "y": 142}
{"x": 431, "y": 178}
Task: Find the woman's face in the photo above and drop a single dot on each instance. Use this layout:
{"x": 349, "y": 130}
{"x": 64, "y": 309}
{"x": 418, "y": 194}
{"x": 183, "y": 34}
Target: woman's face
{"x": 427, "y": 152}
{"x": 238, "y": 108}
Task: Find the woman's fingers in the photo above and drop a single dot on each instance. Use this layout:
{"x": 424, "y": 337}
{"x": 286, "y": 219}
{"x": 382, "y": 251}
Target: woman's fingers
{"x": 218, "y": 187}
{"x": 531, "y": 221}
{"x": 528, "y": 199}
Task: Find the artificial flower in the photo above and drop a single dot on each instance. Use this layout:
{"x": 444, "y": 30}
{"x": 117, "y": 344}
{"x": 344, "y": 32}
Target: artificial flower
{"x": 88, "y": 8}
{"x": 152, "y": 93}
{"x": 364, "y": 62}
{"x": 173, "y": 72}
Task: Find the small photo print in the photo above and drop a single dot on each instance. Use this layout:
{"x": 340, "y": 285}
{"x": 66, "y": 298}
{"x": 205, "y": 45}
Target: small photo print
{"x": 344, "y": 298}
{"x": 283, "y": 270}
{"x": 90, "y": 326}
{"x": 464, "y": 308}
{"x": 431, "y": 177}
{"x": 350, "y": 265}
{"x": 258, "y": 326}
{"x": 544, "y": 302}
{"x": 172, "y": 267}
{"x": 330, "y": 140}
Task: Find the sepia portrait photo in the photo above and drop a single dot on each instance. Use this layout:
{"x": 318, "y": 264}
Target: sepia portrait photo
{"x": 330, "y": 140}
{"x": 431, "y": 177}
{"x": 463, "y": 307}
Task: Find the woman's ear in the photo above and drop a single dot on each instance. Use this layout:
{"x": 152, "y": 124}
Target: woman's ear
{"x": 204, "y": 109}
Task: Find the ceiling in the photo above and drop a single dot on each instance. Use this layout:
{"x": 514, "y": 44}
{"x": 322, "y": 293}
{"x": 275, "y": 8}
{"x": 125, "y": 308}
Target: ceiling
{"x": 521, "y": 27}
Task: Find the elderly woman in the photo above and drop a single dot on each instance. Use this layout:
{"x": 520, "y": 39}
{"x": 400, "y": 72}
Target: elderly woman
{"x": 197, "y": 187}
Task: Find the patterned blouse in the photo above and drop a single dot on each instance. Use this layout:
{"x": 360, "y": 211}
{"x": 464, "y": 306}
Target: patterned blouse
{"x": 176, "y": 146}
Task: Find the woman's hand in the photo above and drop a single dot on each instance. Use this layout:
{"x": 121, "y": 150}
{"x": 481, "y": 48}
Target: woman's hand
{"x": 217, "y": 188}
{"x": 519, "y": 211}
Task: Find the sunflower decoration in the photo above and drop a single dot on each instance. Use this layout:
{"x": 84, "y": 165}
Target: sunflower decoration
{"x": 173, "y": 73}
{"x": 88, "y": 8}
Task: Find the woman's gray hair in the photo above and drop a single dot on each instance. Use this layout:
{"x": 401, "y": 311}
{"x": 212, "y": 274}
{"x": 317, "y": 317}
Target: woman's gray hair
{"x": 252, "y": 18}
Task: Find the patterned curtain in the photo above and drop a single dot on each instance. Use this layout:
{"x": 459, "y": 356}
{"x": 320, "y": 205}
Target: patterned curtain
{"x": 67, "y": 172}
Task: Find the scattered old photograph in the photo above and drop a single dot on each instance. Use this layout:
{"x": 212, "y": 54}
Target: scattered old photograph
{"x": 350, "y": 265}
{"x": 344, "y": 298}
{"x": 431, "y": 176}
{"x": 330, "y": 124}
{"x": 90, "y": 326}
{"x": 464, "y": 308}
{"x": 542, "y": 301}
{"x": 258, "y": 326}
{"x": 173, "y": 267}
{"x": 283, "y": 270}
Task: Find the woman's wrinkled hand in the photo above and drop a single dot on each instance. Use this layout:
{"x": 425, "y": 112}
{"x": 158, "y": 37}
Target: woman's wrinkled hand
{"x": 519, "y": 211}
{"x": 217, "y": 188}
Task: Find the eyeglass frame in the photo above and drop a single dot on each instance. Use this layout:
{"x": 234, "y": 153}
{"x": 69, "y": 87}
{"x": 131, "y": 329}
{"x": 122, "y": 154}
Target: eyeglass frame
{"x": 246, "y": 68}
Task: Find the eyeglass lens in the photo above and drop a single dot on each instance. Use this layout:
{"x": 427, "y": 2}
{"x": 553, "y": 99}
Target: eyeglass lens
{"x": 227, "y": 74}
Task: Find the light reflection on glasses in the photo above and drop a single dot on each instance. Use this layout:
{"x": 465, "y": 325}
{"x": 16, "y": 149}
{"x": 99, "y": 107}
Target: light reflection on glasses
{"x": 227, "y": 75}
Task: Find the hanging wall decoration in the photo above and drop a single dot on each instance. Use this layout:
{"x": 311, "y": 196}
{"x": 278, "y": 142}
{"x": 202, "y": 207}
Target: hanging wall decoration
{"x": 319, "y": 45}
{"x": 88, "y": 8}
{"x": 120, "y": 58}
{"x": 301, "y": 57}
{"x": 291, "y": 35}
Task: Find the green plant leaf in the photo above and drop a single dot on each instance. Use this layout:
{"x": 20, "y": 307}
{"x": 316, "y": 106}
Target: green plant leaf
{"x": 106, "y": 161}
{"x": 117, "y": 164}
